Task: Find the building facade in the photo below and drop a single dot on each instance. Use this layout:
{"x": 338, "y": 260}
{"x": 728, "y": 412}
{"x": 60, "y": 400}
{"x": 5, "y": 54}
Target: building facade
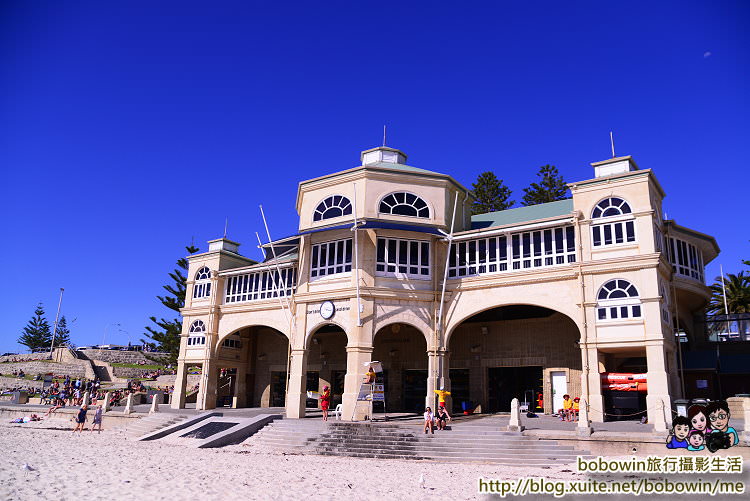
{"x": 388, "y": 264}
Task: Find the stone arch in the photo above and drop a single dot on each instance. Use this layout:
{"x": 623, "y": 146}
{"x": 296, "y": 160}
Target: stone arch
{"x": 232, "y": 323}
{"x": 319, "y": 325}
{"x": 453, "y": 325}
{"x": 407, "y": 319}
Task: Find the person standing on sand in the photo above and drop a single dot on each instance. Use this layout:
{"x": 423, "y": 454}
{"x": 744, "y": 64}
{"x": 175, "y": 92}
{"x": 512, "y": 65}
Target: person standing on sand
{"x": 325, "y": 402}
{"x": 80, "y": 419}
{"x": 97, "y": 419}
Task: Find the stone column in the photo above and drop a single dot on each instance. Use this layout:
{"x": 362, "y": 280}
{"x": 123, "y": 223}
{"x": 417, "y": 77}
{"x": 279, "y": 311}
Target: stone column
{"x": 155, "y": 401}
{"x": 437, "y": 378}
{"x": 240, "y": 389}
{"x": 86, "y": 398}
{"x": 356, "y": 357}
{"x": 107, "y": 399}
{"x": 590, "y": 376}
{"x": 207, "y": 392}
{"x": 658, "y": 401}
{"x": 129, "y": 404}
{"x": 515, "y": 416}
{"x": 180, "y": 386}
{"x": 296, "y": 393}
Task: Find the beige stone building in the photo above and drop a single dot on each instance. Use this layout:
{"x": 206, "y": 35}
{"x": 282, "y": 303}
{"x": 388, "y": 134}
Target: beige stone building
{"x": 388, "y": 264}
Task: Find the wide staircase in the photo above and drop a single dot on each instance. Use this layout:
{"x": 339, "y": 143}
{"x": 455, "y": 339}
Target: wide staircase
{"x": 465, "y": 442}
{"x": 139, "y": 427}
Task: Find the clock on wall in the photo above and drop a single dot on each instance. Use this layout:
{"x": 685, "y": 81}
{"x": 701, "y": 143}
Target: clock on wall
{"x": 327, "y": 309}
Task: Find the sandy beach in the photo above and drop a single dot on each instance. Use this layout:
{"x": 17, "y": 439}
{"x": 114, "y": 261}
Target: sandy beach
{"x": 109, "y": 465}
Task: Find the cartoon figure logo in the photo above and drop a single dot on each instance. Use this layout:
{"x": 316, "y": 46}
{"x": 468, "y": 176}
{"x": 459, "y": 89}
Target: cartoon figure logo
{"x": 696, "y": 440}
{"x": 677, "y": 438}
{"x": 694, "y": 433}
{"x": 722, "y": 435}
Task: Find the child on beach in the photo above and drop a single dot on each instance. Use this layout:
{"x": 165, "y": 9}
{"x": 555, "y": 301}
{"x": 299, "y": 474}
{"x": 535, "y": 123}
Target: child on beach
{"x": 97, "y": 419}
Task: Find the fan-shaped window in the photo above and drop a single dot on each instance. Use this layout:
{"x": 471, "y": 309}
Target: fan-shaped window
{"x": 202, "y": 287}
{"x": 335, "y": 206}
{"x": 611, "y": 207}
{"x": 618, "y": 300}
{"x": 404, "y": 204}
{"x": 613, "y": 223}
{"x": 197, "y": 333}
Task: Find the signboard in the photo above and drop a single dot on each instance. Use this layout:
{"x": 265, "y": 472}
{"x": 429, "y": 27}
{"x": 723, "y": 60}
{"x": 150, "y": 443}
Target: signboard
{"x": 378, "y": 393}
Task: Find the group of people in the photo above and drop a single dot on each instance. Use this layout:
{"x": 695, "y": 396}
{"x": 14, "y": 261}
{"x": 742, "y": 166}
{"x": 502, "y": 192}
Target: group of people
{"x": 704, "y": 427}
{"x": 71, "y": 391}
{"x": 570, "y": 409}
{"x": 440, "y": 418}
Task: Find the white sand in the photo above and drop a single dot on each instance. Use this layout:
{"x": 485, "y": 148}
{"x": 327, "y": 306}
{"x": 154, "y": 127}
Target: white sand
{"x": 110, "y": 466}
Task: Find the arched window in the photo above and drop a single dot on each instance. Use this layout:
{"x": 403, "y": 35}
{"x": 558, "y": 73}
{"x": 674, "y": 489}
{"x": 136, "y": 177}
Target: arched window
{"x": 618, "y": 300}
{"x": 202, "y": 287}
{"x": 612, "y": 223}
{"x": 335, "y": 206}
{"x": 197, "y": 333}
{"x": 404, "y": 204}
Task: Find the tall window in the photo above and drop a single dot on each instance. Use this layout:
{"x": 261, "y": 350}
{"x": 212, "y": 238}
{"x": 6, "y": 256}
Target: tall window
{"x": 398, "y": 257}
{"x": 197, "y": 333}
{"x": 202, "y": 286}
{"x": 618, "y": 300}
{"x": 335, "y": 206}
{"x": 612, "y": 223}
{"x": 530, "y": 249}
{"x": 686, "y": 258}
{"x": 402, "y": 203}
{"x": 331, "y": 258}
{"x": 664, "y": 293}
{"x": 261, "y": 285}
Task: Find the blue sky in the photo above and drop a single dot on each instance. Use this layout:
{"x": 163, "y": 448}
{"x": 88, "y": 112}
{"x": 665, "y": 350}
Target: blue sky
{"x": 127, "y": 129}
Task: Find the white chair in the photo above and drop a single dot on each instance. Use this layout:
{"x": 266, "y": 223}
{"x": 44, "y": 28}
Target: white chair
{"x": 338, "y": 410}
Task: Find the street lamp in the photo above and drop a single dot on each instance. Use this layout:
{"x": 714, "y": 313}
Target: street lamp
{"x": 105, "y": 330}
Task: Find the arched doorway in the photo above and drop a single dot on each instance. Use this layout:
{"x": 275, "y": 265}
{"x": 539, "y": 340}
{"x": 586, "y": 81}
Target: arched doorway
{"x": 514, "y": 351}
{"x": 326, "y": 363}
{"x": 252, "y": 365}
{"x": 402, "y": 350}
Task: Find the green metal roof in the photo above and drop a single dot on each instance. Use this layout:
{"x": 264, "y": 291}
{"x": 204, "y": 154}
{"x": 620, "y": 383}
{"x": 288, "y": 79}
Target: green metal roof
{"x": 401, "y": 167}
{"x": 522, "y": 214}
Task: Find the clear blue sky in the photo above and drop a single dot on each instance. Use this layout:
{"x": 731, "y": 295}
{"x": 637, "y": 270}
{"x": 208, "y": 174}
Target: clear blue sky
{"x": 129, "y": 128}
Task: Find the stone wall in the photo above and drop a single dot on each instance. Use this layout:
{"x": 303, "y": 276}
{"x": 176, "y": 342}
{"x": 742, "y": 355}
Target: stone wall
{"x": 24, "y": 357}
{"x": 41, "y": 367}
{"x": 12, "y": 382}
{"x": 121, "y": 357}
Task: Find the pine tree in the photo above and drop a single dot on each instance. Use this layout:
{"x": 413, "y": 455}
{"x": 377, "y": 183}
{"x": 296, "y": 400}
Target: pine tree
{"x": 549, "y": 189}
{"x": 37, "y": 334}
{"x": 62, "y": 336}
{"x": 490, "y": 194}
{"x": 167, "y": 337}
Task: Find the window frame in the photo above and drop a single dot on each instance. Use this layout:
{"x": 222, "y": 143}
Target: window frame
{"x": 397, "y": 263}
{"x": 202, "y": 283}
{"x": 620, "y": 309}
{"x": 197, "y": 333}
{"x": 391, "y": 213}
{"x": 347, "y": 205}
{"x": 316, "y": 258}
{"x": 605, "y": 228}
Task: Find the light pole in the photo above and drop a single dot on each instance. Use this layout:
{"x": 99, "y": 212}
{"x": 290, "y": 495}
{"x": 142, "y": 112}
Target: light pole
{"x": 105, "y": 330}
{"x": 54, "y": 326}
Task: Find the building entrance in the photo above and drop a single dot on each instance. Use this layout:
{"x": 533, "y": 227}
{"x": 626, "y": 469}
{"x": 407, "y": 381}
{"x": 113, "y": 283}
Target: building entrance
{"x": 415, "y": 389}
{"x": 507, "y": 383}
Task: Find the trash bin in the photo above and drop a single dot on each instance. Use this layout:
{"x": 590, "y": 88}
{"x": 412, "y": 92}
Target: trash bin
{"x": 681, "y": 406}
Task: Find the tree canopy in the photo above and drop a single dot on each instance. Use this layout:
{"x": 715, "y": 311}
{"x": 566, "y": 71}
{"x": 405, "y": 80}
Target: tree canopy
{"x": 166, "y": 336}
{"x": 550, "y": 188}
{"x": 738, "y": 294}
{"x": 37, "y": 334}
{"x": 490, "y": 194}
